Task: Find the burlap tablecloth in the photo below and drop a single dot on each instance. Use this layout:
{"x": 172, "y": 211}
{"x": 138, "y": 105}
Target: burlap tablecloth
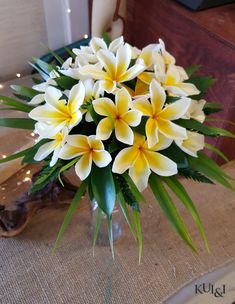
{"x": 31, "y": 273}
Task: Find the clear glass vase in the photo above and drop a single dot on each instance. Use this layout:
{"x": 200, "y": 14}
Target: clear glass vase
{"x": 117, "y": 220}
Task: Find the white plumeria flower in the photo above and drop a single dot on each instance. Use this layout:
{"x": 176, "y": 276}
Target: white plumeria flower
{"x": 168, "y": 58}
{"x": 71, "y": 69}
{"x": 115, "y": 69}
{"x": 192, "y": 144}
{"x": 141, "y": 160}
{"x": 89, "y": 149}
{"x": 118, "y": 117}
{"x": 54, "y": 146}
{"x": 195, "y": 110}
{"x": 99, "y": 44}
{"x": 56, "y": 111}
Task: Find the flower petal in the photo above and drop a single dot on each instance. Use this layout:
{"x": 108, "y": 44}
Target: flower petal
{"x": 93, "y": 71}
{"x": 163, "y": 143}
{"x": 108, "y": 61}
{"x": 95, "y": 143}
{"x": 172, "y": 75}
{"x": 188, "y": 88}
{"x": 151, "y": 130}
{"x": 69, "y": 152}
{"x": 132, "y": 118}
{"x": 132, "y": 72}
{"x": 52, "y": 95}
{"x": 97, "y": 43}
{"x": 108, "y": 85}
{"x": 142, "y": 105}
{"x": 78, "y": 141}
{"x": 171, "y": 130}
{"x": 37, "y": 99}
{"x": 161, "y": 164}
{"x": 44, "y": 151}
{"x": 158, "y": 96}
{"x": 104, "y": 129}
{"x": 55, "y": 156}
{"x": 123, "y": 132}
{"x": 116, "y": 43}
{"x": 122, "y": 101}
{"x": 101, "y": 158}
{"x": 123, "y": 59}
{"x": 176, "y": 109}
{"x": 104, "y": 106}
{"x": 83, "y": 166}
{"x": 124, "y": 160}
{"x": 76, "y": 97}
{"x": 140, "y": 172}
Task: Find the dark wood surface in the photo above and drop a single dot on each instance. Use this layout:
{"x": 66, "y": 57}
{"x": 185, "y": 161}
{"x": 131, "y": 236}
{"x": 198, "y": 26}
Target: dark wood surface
{"x": 206, "y": 37}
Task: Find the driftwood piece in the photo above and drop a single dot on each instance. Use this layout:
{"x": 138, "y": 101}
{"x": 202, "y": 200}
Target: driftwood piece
{"x": 14, "y": 218}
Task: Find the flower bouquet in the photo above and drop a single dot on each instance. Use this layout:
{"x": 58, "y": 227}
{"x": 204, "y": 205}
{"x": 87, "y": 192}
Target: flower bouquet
{"x": 124, "y": 119}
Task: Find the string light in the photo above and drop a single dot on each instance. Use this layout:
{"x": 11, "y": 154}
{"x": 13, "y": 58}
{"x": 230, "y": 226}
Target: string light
{"x": 26, "y": 179}
{"x": 1, "y": 86}
{"x": 85, "y": 36}
{"x": 4, "y": 156}
{"x": 68, "y": 10}
{"x": 18, "y": 75}
{"x": 28, "y": 172}
{"x": 32, "y": 134}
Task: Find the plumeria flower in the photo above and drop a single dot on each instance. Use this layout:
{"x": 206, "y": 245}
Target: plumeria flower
{"x": 72, "y": 69}
{"x": 160, "y": 116}
{"x": 97, "y": 44}
{"x": 115, "y": 69}
{"x": 141, "y": 160}
{"x": 56, "y": 111}
{"x": 168, "y": 58}
{"x": 89, "y": 149}
{"x": 195, "y": 110}
{"x": 192, "y": 144}
{"x": 117, "y": 117}
{"x": 54, "y": 146}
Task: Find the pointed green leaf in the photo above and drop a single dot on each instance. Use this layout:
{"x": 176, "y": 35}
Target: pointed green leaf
{"x": 190, "y": 70}
{"x": 110, "y": 234}
{"x": 136, "y": 216}
{"x": 139, "y": 197}
{"x": 204, "y": 129}
{"x": 97, "y": 228}
{"x": 103, "y": 188}
{"x": 66, "y": 167}
{"x": 181, "y": 193}
{"x": 212, "y": 107}
{"x": 202, "y": 83}
{"x": 46, "y": 67}
{"x": 24, "y": 91}
{"x": 18, "y": 123}
{"x": 216, "y": 151}
{"x": 42, "y": 74}
{"x": 125, "y": 212}
{"x": 65, "y": 82}
{"x": 170, "y": 209}
{"x": 72, "y": 209}
{"x": 17, "y": 105}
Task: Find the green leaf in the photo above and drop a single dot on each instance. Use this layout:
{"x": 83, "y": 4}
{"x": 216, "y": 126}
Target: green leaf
{"x": 29, "y": 156}
{"x": 212, "y": 107}
{"x": 211, "y": 170}
{"x": 106, "y": 38}
{"x": 194, "y": 125}
{"x": 136, "y": 216}
{"x": 103, "y": 188}
{"x": 70, "y": 53}
{"x": 110, "y": 234}
{"x": 47, "y": 175}
{"x": 190, "y": 173}
{"x": 42, "y": 74}
{"x": 190, "y": 70}
{"x": 125, "y": 212}
{"x": 72, "y": 209}
{"x": 170, "y": 209}
{"x": 46, "y": 67}
{"x": 202, "y": 83}
{"x": 177, "y": 155}
{"x": 36, "y": 80}
{"x": 139, "y": 197}
{"x": 181, "y": 193}
{"x": 97, "y": 228}
{"x": 66, "y": 167}
{"x": 216, "y": 151}
{"x": 24, "y": 91}
{"x": 18, "y": 123}
{"x": 21, "y": 153}
{"x": 65, "y": 82}
{"x": 15, "y": 104}
{"x": 56, "y": 56}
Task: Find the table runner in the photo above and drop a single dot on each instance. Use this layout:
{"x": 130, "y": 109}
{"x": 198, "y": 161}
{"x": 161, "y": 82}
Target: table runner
{"x": 31, "y": 273}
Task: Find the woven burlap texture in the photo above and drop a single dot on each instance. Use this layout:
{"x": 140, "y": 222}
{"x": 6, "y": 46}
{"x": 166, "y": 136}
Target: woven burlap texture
{"x": 31, "y": 273}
